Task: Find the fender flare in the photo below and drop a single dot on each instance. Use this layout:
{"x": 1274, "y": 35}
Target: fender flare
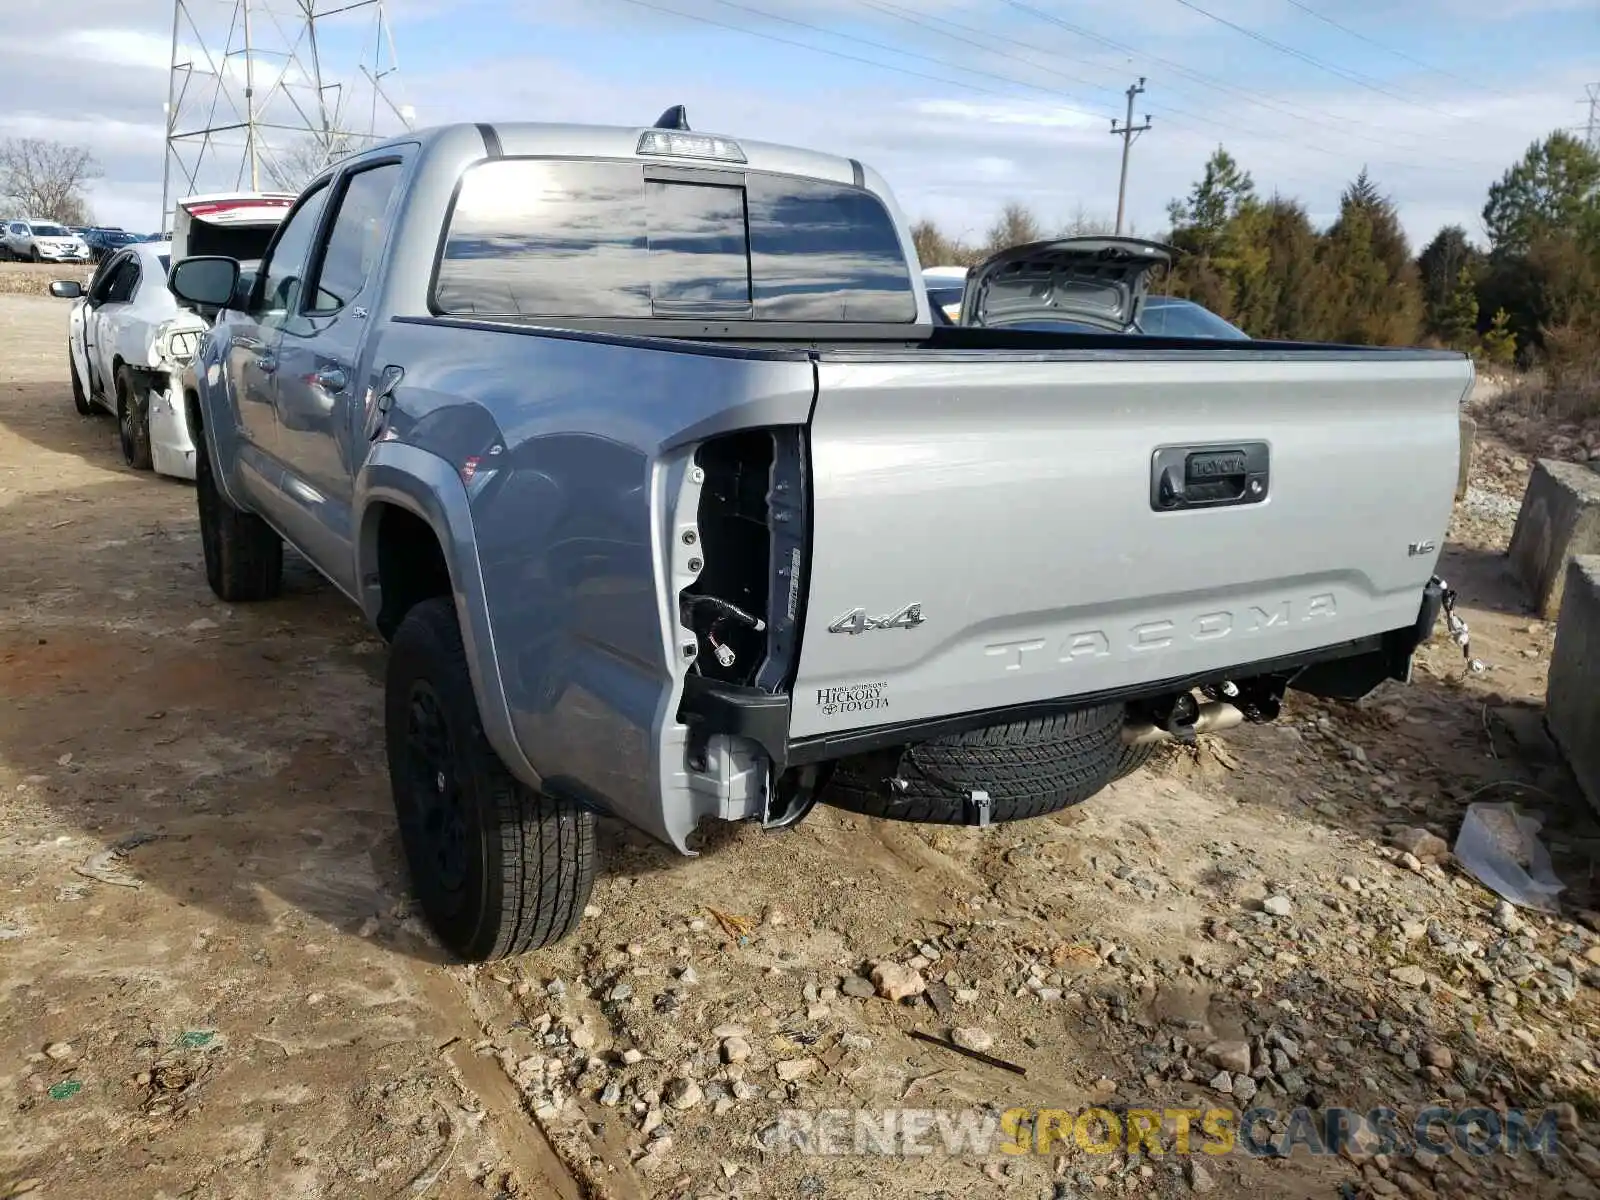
{"x": 428, "y": 487}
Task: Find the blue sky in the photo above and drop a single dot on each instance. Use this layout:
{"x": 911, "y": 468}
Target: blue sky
{"x": 961, "y": 104}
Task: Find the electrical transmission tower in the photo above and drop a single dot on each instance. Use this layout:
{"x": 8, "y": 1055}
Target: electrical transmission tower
{"x": 1592, "y": 132}
{"x": 1129, "y": 133}
{"x": 265, "y": 93}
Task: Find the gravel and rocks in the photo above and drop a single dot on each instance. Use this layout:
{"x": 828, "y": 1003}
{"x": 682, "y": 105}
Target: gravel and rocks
{"x": 1269, "y": 920}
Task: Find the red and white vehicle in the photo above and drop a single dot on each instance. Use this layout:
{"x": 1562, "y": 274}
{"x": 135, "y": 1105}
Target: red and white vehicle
{"x": 234, "y": 224}
{"x": 128, "y": 341}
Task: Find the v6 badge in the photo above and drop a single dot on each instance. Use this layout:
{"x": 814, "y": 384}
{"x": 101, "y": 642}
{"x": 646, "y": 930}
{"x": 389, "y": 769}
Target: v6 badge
{"x": 857, "y": 620}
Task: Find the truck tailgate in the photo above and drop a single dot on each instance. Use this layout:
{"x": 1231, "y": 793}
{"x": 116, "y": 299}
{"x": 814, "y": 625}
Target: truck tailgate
{"x": 1018, "y": 503}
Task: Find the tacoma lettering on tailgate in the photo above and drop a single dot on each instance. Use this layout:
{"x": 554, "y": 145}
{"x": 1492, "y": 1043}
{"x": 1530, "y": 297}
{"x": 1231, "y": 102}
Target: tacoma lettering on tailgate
{"x": 1162, "y": 634}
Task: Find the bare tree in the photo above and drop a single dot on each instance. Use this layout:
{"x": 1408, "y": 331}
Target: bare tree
{"x": 46, "y": 179}
{"x": 294, "y": 166}
{"x": 1084, "y": 222}
{"x": 1015, "y": 226}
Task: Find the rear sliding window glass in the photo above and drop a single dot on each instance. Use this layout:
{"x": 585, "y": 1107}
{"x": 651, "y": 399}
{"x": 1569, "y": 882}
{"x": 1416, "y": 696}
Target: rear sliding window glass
{"x": 541, "y": 238}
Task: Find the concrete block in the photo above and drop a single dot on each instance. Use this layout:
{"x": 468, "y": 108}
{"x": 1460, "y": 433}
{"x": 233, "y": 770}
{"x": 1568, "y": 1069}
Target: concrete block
{"x": 1572, "y": 695}
{"x": 1560, "y": 520}
{"x": 1469, "y": 432}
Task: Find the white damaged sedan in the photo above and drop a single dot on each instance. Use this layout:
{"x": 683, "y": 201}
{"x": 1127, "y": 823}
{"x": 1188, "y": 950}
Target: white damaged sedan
{"x": 127, "y": 344}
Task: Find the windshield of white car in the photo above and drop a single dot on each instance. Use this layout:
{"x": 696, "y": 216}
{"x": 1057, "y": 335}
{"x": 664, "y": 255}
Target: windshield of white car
{"x": 1169, "y": 317}
{"x": 50, "y": 231}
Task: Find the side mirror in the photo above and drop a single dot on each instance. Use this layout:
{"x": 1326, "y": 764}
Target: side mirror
{"x": 66, "y": 289}
{"x": 207, "y": 281}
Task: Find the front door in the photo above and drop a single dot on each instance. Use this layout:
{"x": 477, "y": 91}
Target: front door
{"x": 110, "y": 295}
{"x": 320, "y": 380}
{"x": 254, "y": 337}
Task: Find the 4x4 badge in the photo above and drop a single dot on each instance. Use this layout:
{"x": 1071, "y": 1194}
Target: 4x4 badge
{"x": 857, "y": 621}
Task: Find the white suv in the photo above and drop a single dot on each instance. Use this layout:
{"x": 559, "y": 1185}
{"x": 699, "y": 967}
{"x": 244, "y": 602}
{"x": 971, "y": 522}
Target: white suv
{"x": 42, "y": 241}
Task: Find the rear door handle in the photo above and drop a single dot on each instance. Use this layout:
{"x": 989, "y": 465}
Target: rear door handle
{"x": 1214, "y": 476}
{"x": 330, "y": 379}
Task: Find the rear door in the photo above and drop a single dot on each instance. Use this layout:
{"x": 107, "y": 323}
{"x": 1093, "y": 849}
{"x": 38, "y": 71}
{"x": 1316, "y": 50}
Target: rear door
{"x": 990, "y": 532}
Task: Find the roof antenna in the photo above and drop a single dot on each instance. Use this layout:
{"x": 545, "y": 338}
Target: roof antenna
{"x": 676, "y": 117}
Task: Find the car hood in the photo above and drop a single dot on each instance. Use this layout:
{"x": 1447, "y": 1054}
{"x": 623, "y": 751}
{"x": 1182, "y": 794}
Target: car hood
{"x": 1099, "y": 281}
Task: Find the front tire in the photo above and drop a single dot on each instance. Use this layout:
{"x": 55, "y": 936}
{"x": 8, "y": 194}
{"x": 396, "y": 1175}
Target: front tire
{"x": 133, "y": 420}
{"x": 244, "y": 555}
{"x": 80, "y": 398}
{"x": 499, "y": 868}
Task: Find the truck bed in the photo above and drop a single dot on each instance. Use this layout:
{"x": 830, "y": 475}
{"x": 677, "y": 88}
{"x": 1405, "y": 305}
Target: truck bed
{"x": 1006, "y": 484}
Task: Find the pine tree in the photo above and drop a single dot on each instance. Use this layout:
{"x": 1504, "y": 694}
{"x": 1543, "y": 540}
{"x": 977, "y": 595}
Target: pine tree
{"x": 1223, "y": 189}
{"x": 1555, "y": 188}
{"x": 1458, "y": 316}
{"x": 1370, "y": 268}
{"x": 1439, "y": 268}
{"x": 1499, "y": 345}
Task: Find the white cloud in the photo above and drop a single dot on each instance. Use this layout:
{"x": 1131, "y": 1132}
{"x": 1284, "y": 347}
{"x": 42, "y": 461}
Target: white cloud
{"x": 1041, "y": 116}
{"x": 114, "y": 47}
{"x": 954, "y": 154}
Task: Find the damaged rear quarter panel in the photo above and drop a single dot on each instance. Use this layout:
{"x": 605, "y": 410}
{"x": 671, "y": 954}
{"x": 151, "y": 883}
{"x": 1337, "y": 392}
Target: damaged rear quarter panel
{"x": 577, "y": 534}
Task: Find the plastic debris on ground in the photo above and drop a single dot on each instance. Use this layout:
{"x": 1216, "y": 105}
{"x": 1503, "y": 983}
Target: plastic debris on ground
{"x": 1499, "y": 846}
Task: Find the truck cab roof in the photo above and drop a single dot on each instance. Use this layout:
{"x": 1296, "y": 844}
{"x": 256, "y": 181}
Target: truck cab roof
{"x": 519, "y": 139}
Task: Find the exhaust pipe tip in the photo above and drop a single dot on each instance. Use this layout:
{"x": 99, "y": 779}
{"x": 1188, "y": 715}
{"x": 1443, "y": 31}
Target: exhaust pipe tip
{"x": 1212, "y": 717}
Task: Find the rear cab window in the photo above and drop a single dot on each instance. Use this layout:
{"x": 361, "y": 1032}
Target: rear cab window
{"x": 550, "y": 238}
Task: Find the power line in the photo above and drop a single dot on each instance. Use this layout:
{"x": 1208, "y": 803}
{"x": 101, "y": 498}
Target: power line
{"x": 962, "y": 84}
{"x": 1354, "y": 77}
{"x": 1169, "y": 111}
{"x": 1129, "y": 133}
{"x": 770, "y": 16}
{"x": 1401, "y": 54}
{"x": 921, "y": 20}
{"x": 1302, "y": 116}
{"x": 783, "y": 41}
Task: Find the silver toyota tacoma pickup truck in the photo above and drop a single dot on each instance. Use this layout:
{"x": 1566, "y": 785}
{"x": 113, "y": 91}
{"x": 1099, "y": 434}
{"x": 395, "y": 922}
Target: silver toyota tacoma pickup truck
{"x": 642, "y": 448}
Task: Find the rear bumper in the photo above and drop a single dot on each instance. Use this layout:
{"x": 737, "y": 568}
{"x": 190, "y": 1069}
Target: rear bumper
{"x": 1346, "y": 671}
{"x": 171, "y": 446}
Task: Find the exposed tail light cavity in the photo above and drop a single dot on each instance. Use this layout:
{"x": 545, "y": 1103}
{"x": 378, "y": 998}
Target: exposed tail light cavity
{"x": 745, "y": 604}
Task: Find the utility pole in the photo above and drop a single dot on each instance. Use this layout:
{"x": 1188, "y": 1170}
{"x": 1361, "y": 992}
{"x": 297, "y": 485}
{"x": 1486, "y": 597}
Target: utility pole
{"x": 250, "y": 103}
{"x": 1129, "y": 133}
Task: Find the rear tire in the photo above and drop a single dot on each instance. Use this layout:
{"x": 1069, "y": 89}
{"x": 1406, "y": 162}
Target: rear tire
{"x": 499, "y": 868}
{"x": 80, "y": 398}
{"x": 1029, "y": 769}
{"x": 1132, "y": 758}
{"x": 244, "y": 555}
{"x": 133, "y": 419}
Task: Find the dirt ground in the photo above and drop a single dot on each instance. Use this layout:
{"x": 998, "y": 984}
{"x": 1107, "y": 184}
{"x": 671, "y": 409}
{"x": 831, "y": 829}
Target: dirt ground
{"x": 212, "y": 985}
{"x": 33, "y": 279}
